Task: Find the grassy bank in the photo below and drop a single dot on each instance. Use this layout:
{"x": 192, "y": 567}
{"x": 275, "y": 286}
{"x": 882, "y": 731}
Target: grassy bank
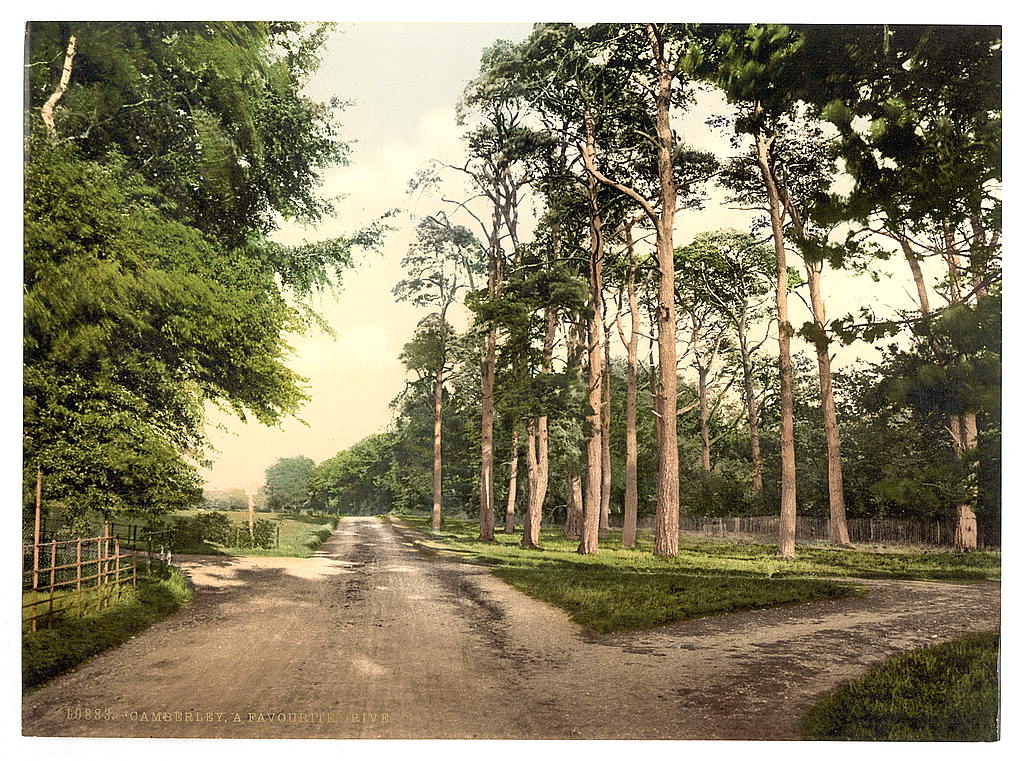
{"x": 300, "y": 535}
{"x": 620, "y": 590}
{"x": 78, "y": 633}
{"x": 945, "y": 692}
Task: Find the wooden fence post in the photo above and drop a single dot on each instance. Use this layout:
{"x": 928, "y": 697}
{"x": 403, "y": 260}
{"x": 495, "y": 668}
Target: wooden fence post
{"x": 99, "y": 578}
{"x": 117, "y": 566}
{"x": 53, "y": 577}
{"x": 35, "y": 549}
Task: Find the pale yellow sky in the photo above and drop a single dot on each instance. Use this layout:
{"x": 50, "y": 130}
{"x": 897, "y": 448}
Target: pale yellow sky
{"x": 404, "y": 80}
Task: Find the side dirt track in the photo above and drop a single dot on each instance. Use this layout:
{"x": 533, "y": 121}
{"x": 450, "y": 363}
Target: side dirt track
{"x": 378, "y": 636}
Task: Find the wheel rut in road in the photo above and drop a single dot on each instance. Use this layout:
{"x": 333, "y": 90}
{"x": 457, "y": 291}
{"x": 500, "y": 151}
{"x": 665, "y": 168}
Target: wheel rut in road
{"x": 377, "y": 637}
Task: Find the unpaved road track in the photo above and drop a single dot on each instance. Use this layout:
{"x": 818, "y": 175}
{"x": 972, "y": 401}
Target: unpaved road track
{"x": 373, "y": 638}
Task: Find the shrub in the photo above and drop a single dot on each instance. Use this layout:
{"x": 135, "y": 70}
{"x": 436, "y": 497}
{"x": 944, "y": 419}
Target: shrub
{"x": 264, "y": 535}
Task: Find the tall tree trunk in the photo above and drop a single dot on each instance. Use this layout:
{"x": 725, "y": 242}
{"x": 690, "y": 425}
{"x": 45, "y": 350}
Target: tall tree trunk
{"x": 963, "y": 429}
{"x": 531, "y": 521}
{"x": 965, "y": 426}
{"x": 537, "y": 448}
{"x": 631, "y": 501}
{"x": 487, "y": 440}
{"x": 510, "y": 506}
{"x": 666, "y": 511}
{"x": 595, "y": 364}
{"x": 606, "y": 439}
{"x": 487, "y": 371}
{"x": 702, "y": 401}
{"x": 435, "y": 519}
{"x": 751, "y": 403}
{"x": 839, "y": 534}
{"x": 787, "y": 511}
{"x": 574, "y": 479}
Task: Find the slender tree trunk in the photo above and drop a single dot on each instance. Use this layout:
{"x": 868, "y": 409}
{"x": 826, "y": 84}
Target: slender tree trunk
{"x": 487, "y": 441}
{"x": 787, "y": 511}
{"x": 47, "y": 109}
{"x": 574, "y": 480}
{"x": 839, "y": 534}
{"x": 748, "y": 397}
{"x": 510, "y": 507}
{"x": 537, "y": 449}
{"x": 964, "y": 435}
{"x": 595, "y": 365}
{"x": 702, "y": 401}
{"x": 435, "y": 520}
{"x": 606, "y": 439}
{"x": 487, "y": 371}
{"x": 964, "y": 426}
{"x": 531, "y": 521}
{"x": 631, "y": 501}
{"x": 666, "y": 511}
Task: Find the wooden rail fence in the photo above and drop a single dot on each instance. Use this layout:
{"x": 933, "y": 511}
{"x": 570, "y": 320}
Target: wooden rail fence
{"x": 59, "y": 573}
{"x": 862, "y": 530}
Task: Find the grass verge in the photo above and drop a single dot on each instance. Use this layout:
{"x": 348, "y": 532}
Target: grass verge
{"x": 947, "y": 692}
{"x": 621, "y": 590}
{"x": 78, "y": 634}
{"x": 301, "y": 535}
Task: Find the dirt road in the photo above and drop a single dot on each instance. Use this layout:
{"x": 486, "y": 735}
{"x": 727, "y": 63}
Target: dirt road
{"x": 373, "y": 638}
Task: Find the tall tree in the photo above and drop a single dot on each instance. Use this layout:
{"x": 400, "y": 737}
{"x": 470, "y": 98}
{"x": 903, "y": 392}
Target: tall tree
{"x": 752, "y": 65}
{"x": 442, "y": 261}
{"x": 732, "y": 271}
{"x": 289, "y": 484}
{"x": 918, "y": 109}
{"x": 501, "y": 148}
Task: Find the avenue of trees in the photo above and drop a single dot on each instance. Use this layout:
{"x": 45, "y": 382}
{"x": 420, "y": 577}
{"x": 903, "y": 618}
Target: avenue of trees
{"x": 612, "y": 367}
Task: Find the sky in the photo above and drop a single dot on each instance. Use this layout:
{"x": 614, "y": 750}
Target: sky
{"x": 403, "y": 81}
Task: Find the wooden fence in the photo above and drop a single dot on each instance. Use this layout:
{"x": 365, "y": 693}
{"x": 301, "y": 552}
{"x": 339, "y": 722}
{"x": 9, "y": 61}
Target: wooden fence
{"x": 862, "y": 530}
{"x": 57, "y": 574}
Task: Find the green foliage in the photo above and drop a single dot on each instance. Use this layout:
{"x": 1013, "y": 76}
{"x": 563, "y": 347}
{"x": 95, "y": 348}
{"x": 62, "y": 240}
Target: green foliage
{"x": 195, "y": 531}
{"x": 263, "y": 536}
{"x": 211, "y": 114}
{"x": 947, "y": 692}
{"x": 359, "y": 480}
{"x": 150, "y": 288}
{"x": 288, "y": 483}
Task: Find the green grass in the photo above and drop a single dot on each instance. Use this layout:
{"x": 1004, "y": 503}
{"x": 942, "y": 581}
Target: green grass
{"x": 301, "y": 535}
{"x": 80, "y": 632}
{"x": 621, "y": 589}
{"x": 944, "y": 692}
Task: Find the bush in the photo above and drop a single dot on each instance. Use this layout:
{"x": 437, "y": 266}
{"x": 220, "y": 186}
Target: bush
{"x": 192, "y": 531}
{"x": 264, "y": 535}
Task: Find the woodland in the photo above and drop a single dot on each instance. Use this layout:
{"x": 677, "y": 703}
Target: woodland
{"x": 611, "y": 373}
